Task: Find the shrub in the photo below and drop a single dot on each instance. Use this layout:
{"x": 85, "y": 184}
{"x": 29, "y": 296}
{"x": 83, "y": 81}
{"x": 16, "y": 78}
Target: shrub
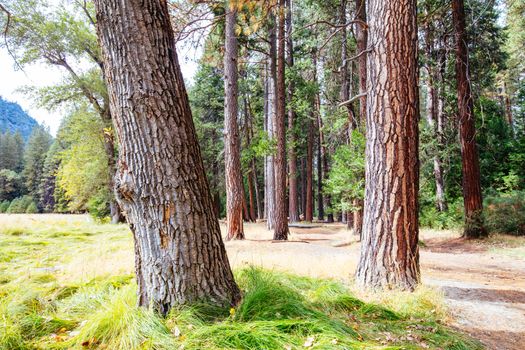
{"x": 4, "y": 206}
{"x": 432, "y": 218}
{"x": 19, "y": 205}
{"x": 505, "y": 213}
{"x": 32, "y": 208}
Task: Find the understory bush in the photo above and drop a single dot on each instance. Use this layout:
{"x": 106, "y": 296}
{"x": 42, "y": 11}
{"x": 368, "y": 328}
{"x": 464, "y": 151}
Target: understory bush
{"x": 505, "y": 213}
{"x": 4, "y": 206}
{"x": 19, "y": 205}
{"x": 32, "y": 208}
{"x": 431, "y": 217}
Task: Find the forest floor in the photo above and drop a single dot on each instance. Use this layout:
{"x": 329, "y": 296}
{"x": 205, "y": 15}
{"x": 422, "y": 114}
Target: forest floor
{"x": 483, "y": 281}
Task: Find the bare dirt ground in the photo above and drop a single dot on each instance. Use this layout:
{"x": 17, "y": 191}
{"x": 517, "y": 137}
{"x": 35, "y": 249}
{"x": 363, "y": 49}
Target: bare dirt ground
{"x": 484, "y": 287}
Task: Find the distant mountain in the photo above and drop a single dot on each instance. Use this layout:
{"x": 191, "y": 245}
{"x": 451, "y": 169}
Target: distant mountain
{"x": 13, "y": 119}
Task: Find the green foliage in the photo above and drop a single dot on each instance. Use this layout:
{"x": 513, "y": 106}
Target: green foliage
{"x": 346, "y": 177}
{"x": 19, "y": 205}
{"x": 453, "y": 217}
{"x": 505, "y": 213}
{"x": 11, "y": 151}
{"x": 82, "y": 173}
{"x": 4, "y": 206}
{"x": 34, "y": 158}
{"x": 32, "y": 208}
{"x": 11, "y": 185}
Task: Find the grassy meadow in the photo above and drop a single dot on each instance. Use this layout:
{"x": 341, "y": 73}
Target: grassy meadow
{"x": 66, "y": 282}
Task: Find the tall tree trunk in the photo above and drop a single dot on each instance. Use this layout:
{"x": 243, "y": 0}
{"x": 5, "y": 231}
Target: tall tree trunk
{"x": 472, "y": 198}
{"x": 309, "y": 201}
{"x": 320, "y": 200}
{"x": 293, "y": 206}
{"x": 281, "y": 217}
{"x": 232, "y": 146}
{"x": 320, "y": 150}
{"x": 432, "y": 110}
{"x": 362, "y": 46}
{"x": 389, "y": 249}
{"x": 161, "y": 185}
{"x": 303, "y": 187}
{"x": 270, "y": 128}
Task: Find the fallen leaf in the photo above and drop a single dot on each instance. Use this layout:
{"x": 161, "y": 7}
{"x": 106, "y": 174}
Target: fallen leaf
{"x": 309, "y": 342}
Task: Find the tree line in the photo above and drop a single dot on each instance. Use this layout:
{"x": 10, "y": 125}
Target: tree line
{"x": 342, "y": 111}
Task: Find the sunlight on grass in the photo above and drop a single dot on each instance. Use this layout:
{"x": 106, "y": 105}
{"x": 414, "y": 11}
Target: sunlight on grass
{"x": 66, "y": 283}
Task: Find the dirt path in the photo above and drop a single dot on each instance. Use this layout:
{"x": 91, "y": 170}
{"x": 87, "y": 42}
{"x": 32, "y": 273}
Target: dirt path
{"x": 485, "y": 291}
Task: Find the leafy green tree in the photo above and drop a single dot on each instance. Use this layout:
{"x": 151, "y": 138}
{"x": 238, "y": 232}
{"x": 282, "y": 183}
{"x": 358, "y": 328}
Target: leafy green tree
{"x": 64, "y": 37}
{"x": 11, "y": 185}
{"x": 82, "y": 173}
{"x": 34, "y": 158}
{"x": 11, "y": 151}
{"x": 346, "y": 179}
{"x": 48, "y": 184}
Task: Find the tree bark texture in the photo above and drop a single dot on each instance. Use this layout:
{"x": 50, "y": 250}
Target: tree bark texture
{"x": 389, "y": 249}
{"x": 232, "y": 146}
{"x": 281, "y": 217}
{"x": 293, "y": 205}
{"x": 472, "y": 198}
{"x": 160, "y": 183}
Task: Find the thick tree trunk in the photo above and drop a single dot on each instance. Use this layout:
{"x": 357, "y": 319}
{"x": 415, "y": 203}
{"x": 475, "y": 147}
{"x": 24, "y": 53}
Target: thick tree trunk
{"x": 281, "y": 217}
{"x": 320, "y": 200}
{"x": 293, "y": 206}
{"x": 472, "y": 198}
{"x": 309, "y": 204}
{"x": 232, "y": 146}
{"x": 389, "y": 249}
{"x": 160, "y": 181}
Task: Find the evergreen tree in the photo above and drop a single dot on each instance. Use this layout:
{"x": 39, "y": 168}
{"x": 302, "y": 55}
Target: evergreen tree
{"x": 34, "y": 158}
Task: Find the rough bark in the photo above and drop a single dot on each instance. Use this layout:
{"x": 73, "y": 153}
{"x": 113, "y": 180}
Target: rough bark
{"x": 389, "y": 249}
{"x": 281, "y": 217}
{"x": 160, "y": 181}
{"x": 293, "y": 206}
{"x": 472, "y": 197}
{"x": 309, "y": 204}
{"x": 232, "y": 146}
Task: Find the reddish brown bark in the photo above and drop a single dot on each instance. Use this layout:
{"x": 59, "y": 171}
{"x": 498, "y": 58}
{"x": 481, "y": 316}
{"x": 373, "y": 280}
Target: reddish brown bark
{"x": 281, "y": 217}
{"x": 472, "y": 197}
{"x": 389, "y": 249}
{"x": 232, "y": 147}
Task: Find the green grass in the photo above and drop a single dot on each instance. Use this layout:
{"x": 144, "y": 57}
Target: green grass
{"x": 46, "y": 303}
